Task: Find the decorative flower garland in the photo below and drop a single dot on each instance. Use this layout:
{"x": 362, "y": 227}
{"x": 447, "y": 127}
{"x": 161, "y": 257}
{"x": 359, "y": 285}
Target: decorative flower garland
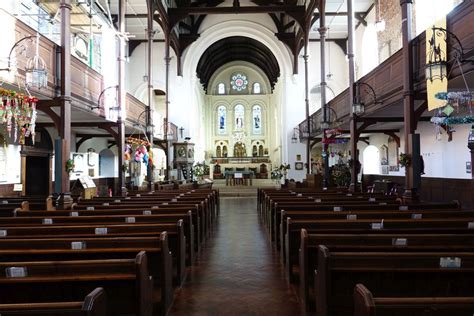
{"x": 444, "y": 120}
{"x": 137, "y": 141}
{"x": 18, "y": 113}
{"x": 142, "y": 152}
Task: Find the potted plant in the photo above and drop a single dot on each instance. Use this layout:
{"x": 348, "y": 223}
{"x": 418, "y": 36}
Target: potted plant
{"x": 404, "y": 160}
{"x": 69, "y": 165}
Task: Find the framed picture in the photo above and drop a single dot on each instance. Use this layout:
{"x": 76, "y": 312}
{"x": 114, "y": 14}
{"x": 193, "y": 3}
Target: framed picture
{"x": 299, "y": 166}
{"x": 78, "y": 159}
{"x": 298, "y": 157}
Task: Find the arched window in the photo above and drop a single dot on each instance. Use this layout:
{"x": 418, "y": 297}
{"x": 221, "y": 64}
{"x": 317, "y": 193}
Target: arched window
{"x": 371, "y": 159}
{"x": 106, "y": 163}
{"x": 239, "y": 82}
{"x": 256, "y": 88}
{"x": 221, "y": 88}
{"x": 221, "y": 119}
{"x": 239, "y": 115}
{"x": 257, "y": 119}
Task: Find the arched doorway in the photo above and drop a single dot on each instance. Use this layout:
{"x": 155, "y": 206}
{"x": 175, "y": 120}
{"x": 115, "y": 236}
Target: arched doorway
{"x": 107, "y": 164}
{"x": 371, "y": 160}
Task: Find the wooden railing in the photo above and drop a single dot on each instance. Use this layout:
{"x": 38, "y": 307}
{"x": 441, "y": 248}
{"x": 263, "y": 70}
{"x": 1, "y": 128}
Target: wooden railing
{"x": 387, "y": 78}
{"x": 135, "y": 110}
{"x": 19, "y": 56}
{"x": 86, "y": 83}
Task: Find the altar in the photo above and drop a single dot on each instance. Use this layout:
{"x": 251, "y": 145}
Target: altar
{"x": 248, "y": 167}
{"x": 239, "y": 177}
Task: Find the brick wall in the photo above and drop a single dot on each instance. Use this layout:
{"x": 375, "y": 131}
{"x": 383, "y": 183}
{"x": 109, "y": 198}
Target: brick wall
{"x": 390, "y": 40}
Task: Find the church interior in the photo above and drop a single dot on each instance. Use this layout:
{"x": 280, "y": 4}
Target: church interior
{"x": 244, "y": 157}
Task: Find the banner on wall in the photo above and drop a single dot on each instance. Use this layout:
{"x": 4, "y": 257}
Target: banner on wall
{"x": 438, "y": 84}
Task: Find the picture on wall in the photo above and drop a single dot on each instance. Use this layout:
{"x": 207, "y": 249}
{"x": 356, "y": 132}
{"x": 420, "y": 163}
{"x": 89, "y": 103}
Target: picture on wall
{"x": 78, "y": 162}
{"x": 299, "y": 166}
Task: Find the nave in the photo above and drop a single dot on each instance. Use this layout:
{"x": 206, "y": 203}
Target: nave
{"x": 237, "y": 273}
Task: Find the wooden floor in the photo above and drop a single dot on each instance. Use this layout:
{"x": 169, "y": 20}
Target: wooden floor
{"x": 237, "y": 272}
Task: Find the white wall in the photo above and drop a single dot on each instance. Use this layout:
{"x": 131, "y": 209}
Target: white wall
{"x": 442, "y": 159}
{"x": 12, "y": 164}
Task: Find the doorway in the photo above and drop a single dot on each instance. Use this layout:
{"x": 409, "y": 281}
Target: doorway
{"x": 37, "y": 176}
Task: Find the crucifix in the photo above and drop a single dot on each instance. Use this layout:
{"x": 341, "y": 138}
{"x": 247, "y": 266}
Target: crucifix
{"x": 181, "y": 129}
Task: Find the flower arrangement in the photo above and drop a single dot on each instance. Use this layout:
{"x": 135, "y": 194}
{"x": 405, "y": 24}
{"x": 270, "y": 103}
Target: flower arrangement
{"x": 404, "y": 160}
{"x": 276, "y": 174}
{"x": 69, "y": 165}
{"x": 284, "y": 167}
{"x": 199, "y": 170}
{"x": 340, "y": 175}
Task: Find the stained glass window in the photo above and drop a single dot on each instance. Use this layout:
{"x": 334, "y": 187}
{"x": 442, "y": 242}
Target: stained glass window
{"x": 256, "y": 88}
{"x": 257, "y": 119}
{"x": 239, "y": 82}
{"x": 221, "y": 88}
{"x": 221, "y": 119}
{"x": 239, "y": 113}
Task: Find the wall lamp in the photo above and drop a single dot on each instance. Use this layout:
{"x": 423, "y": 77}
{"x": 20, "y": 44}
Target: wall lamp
{"x": 437, "y": 65}
{"x": 295, "y": 136}
{"x": 35, "y": 70}
{"x": 358, "y": 106}
{"x": 115, "y": 108}
{"x": 331, "y": 120}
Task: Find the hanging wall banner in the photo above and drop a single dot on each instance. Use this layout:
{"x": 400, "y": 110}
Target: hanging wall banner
{"x": 438, "y": 84}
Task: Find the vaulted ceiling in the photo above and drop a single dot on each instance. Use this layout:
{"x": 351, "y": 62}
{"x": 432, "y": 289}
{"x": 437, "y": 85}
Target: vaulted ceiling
{"x": 237, "y": 48}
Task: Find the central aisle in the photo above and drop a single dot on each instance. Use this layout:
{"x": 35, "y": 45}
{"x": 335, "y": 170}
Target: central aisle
{"x": 237, "y": 273}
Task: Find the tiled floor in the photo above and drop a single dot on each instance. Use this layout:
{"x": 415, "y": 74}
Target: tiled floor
{"x": 237, "y": 272}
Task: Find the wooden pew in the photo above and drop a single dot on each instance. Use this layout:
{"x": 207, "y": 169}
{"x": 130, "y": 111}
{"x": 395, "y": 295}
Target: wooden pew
{"x": 200, "y": 217}
{"x": 405, "y": 242}
{"x": 94, "y": 304}
{"x": 274, "y": 213}
{"x": 292, "y": 237}
{"x": 25, "y": 203}
{"x": 173, "y": 232}
{"x": 367, "y": 305}
{"x": 295, "y": 213}
{"x": 88, "y": 248}
{"x": 367, "y": 206}
{"x": 127, "y": 283}
{"x": 387, "y": 274}
{"x": 117, "y": 217}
